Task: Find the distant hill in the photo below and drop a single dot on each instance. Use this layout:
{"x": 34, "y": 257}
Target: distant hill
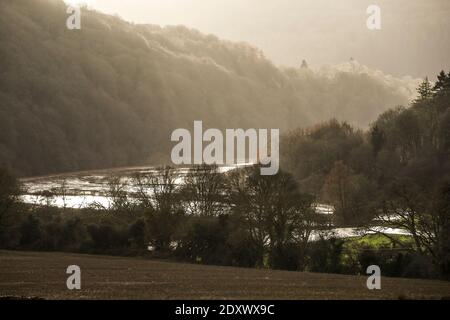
{"x": 110, "y": 94}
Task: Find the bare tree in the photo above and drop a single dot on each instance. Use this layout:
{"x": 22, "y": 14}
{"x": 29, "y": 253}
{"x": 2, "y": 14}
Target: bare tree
{"x": 277, "y": 215}
{"x": 425, "y": 218}
{"x": 159, "y": 195}
{"x": 63, "y": 192}
{"x": 118, "y": 195}
{"x": 9, "y": 194}
{"x": 203, "y": 191}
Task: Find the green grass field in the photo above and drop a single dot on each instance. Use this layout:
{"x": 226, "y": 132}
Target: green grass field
{"x": 43, "y": 275}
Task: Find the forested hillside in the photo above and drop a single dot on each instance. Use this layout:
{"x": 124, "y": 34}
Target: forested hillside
{"x": 403, "y": 159}
{"x": 110, "y": 94}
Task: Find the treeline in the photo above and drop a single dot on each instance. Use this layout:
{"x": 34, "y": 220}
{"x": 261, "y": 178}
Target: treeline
{"x": 397, "y": 173}
{"x": 238, "y": 219}
{"x": 110, "y": 94}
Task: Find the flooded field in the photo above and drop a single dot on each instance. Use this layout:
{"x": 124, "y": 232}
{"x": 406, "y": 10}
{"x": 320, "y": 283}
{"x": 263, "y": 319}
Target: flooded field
{"x": 90, "y": 189}
{"x": 87, "y": 189}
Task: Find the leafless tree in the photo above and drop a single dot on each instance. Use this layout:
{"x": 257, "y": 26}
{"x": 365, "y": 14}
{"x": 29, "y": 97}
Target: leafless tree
{"x": 426, "y": 218}
{"x": 159, "y": 195}
{"x": 117, "y": 193}
{"x": 203, "y": 191}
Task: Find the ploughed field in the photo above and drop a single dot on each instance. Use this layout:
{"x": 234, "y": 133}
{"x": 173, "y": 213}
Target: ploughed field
{"x": 43, "y": 275}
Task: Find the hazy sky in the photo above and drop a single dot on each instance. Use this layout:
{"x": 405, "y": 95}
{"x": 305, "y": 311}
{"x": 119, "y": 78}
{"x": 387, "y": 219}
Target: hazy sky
{"x": 414, "y": 39}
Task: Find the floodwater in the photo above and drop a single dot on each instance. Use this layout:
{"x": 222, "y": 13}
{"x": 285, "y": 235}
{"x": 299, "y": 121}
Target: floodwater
{"x": 90, "y": 189}
{"x": 83, "y": 190}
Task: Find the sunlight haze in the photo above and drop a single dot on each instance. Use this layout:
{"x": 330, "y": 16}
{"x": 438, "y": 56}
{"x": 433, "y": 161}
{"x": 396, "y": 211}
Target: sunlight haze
{"x": 319, "y": 31}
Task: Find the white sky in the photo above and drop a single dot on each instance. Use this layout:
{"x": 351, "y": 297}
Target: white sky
{"x": 414, "y": 40}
